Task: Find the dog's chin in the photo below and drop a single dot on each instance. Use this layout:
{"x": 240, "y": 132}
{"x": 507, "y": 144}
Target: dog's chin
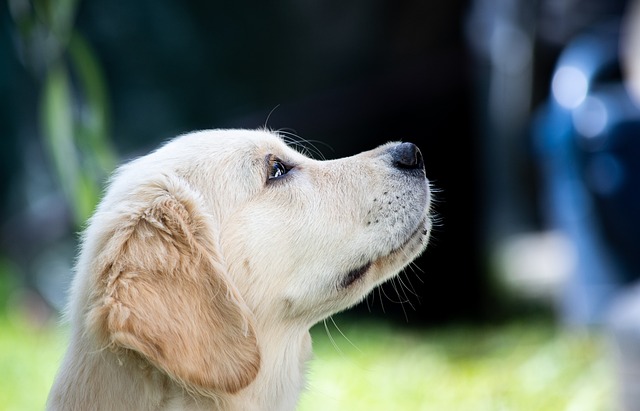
{"x": 381, "y": 268}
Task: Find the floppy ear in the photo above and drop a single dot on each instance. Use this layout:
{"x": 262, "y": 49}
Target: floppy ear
{"x": 168, "y": 298}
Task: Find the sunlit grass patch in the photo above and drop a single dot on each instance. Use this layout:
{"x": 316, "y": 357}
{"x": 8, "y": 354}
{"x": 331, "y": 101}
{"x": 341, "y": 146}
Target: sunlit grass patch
{"x": 29, "y": 358}
{"x": 516, "y": 367}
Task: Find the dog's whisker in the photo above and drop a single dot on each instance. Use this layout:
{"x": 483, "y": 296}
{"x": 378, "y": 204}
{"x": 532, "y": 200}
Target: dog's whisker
{"x": 366, "y": 300}
{"x": 310, "y": 144}
{"x": 395, "y": 287}
{"x": 392, "y": 300}
{"x": 409, "y": 287}
{"x": 316, "y": 150}
{"x": 404, "y": 289}
{"x": 343, "y": 334}
{"x": 293, "y": 141}
{"x": 331, "y": 339}
{"x": 419, "y": 278}
{"x": 382, "y": 294}
{"x": 400, "y": 287}
{"x": 290, "y": 137}
{"x": 298, "y": 142}
{"x": 266, "y": 121}
{"x": 415, "y": 267}
{"x": 381, "y": 302}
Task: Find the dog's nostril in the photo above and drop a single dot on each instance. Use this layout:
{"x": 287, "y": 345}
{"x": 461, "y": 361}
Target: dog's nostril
{"x": 407, "y": 155}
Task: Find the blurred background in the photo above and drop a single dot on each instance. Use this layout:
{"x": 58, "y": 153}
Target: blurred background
{"x": 525, "y": 111}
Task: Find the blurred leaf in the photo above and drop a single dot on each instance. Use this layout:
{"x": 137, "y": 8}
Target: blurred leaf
{"x": 74, "y": 108}
{"x": 94, "y": 120}
{"x": 87, "y": 196}
{"x": 58, "y": 129}
{"x": 8, "y": 281}
{"x": 57, "y": 15}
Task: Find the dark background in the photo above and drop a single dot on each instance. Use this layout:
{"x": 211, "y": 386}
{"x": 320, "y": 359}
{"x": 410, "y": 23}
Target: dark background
{"x": 346, "y": 75}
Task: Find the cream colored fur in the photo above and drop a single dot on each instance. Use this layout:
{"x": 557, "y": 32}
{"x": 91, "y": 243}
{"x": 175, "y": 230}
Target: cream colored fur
{"x": 199, "y": 277}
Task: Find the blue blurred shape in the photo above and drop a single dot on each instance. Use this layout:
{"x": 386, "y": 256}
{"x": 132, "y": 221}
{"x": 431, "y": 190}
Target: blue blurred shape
{"x": 587, "y": 138}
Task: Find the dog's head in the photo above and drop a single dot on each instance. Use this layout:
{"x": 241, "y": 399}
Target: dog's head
{"x": 200, "y": 242}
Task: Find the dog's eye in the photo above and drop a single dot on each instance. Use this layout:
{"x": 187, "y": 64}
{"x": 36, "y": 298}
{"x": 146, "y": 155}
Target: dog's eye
{"x": 276, "y": 169}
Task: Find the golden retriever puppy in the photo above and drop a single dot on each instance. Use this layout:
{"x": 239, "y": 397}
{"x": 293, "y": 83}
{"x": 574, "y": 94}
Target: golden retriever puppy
{"x": 208, "y": 260}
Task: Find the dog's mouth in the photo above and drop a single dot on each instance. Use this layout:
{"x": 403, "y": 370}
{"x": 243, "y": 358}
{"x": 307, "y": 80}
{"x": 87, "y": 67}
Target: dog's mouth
{"x": 356, "y": 274}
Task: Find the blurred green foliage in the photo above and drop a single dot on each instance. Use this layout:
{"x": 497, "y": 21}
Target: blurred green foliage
{"x": 74, "y": 109}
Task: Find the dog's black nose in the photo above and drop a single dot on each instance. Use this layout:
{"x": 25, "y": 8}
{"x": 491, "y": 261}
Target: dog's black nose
{"x": 407, "y": 155}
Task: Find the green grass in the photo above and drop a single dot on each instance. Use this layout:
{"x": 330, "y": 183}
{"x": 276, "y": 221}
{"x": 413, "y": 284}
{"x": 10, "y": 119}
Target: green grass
{"x": 516, "y": 367}
{"x": 29, "y": 358}
{"x": 520, "y": 367}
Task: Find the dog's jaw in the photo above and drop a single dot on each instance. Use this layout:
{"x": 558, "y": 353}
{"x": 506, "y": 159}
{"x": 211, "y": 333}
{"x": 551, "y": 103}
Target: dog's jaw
{"x": 417, "y": 240}
{"x": 385, "y": 267}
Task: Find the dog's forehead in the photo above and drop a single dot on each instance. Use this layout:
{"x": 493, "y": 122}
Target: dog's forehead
{"x": 228, "y": 146}
{"x": 272, "y": 144}
{"x": 255, "y": 143}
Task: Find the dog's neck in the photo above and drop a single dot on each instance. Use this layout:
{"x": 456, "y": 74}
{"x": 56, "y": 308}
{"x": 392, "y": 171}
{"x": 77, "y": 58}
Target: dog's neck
{"x": 94, "y": 378}
{"x": 284, "y": 355}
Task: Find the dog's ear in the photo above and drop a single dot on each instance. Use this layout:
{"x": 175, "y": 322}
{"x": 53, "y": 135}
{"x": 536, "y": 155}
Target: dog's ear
{"x": 167, "y": 297}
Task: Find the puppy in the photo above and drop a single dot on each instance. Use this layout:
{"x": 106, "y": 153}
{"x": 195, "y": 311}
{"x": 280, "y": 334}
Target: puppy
{"x": 208, "y": 260}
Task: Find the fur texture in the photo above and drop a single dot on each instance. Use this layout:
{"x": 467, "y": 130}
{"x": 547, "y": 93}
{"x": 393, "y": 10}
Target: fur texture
{"x": 208, "y": 260}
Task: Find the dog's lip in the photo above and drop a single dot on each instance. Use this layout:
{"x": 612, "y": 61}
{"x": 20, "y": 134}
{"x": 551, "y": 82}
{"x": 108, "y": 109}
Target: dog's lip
{"x": 356, "y": 274}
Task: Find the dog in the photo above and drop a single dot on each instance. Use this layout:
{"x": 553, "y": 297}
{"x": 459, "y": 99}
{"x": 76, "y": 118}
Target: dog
{"x": 208, "y": 260}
